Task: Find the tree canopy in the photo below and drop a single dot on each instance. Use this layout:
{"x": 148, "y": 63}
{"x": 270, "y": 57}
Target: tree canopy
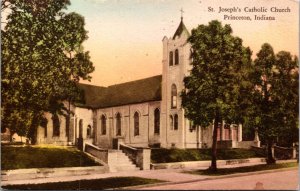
{"x": 42, "y": 60}
{"x": 275, "y": 96}
{"x": 214, "y": 87}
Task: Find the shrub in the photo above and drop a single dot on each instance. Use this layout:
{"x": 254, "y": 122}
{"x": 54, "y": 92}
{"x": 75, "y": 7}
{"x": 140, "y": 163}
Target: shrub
{"x": 179, "y": 155}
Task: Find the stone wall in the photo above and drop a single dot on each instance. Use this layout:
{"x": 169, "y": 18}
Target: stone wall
{"x": 34, "y": 173}
{"x": 101, "y": 154}
{"x": 140, "y": 157}
{"x": 247, "y": 144}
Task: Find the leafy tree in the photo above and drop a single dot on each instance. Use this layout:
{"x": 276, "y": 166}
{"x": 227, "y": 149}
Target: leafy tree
{"x": 286, "y": 94}
{"x": 275, "y": 98}
{"x": 216, "y": 82}
{"x": 42, "y": 61}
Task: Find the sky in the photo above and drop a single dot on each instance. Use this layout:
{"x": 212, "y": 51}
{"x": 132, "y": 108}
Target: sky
{"x": 125, "y": 36}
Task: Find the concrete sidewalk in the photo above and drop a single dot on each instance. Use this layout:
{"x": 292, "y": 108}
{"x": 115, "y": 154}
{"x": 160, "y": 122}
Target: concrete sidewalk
{"x": 170, "y": 175}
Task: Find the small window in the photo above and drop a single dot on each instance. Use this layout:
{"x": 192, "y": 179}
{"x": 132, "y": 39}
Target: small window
{"x": 175, "y": 122}
{"x": 176, "y": 57}
{"x": 103, "y": 125}
{"x": 118, "y": 124}
{"x": 136, "y": 124}
{"x": 56, "y": 125}
{"x": 171, "y": 122}
{"x": 171, "y": 58}
{"x": 173, "y": 96}
{"x": 156, "y": 121}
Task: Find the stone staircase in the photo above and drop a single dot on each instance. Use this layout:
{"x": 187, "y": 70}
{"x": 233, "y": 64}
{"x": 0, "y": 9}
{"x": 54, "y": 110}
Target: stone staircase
{"x": 121, "y": 162}
{"x": 114, "y": 160}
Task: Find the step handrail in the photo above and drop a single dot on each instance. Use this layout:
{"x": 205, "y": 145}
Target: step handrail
{"x": 283, "y": 148}
{"x": 95, "y": 147}
{"x": 129, "y": 147}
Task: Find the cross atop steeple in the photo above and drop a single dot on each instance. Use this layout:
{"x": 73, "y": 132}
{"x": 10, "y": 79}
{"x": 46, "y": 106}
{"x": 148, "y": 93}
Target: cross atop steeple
{"x": 181, "y": 10}
{"x": 181, "y": 28}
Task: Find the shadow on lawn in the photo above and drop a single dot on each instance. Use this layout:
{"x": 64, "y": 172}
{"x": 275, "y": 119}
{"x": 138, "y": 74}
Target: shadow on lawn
{"x": 97, "y": 184}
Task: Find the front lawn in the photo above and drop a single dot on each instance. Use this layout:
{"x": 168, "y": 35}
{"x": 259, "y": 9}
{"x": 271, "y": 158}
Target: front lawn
{"x": 244, "y": 169}
{"x": 97, "y": 184}
{"x": 180, "y": 155}
{"x": 19, "y": 157}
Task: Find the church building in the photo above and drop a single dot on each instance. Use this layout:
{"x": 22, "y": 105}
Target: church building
{"x": 142, "y": 113}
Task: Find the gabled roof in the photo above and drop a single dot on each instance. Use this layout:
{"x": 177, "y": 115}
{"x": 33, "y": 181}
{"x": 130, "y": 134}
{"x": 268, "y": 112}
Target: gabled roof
{"x": 181, "y": 29}
{"x": 139, "y": 91}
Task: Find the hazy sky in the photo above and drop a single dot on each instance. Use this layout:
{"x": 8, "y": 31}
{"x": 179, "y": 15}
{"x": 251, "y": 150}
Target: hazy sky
{"x": 125, "y": 36}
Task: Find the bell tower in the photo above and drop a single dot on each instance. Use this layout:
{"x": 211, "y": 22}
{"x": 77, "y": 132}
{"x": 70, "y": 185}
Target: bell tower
{"x": 176, "y": 64}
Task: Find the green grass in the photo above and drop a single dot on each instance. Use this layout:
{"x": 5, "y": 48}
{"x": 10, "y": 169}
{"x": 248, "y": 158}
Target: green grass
{"x": 20, "y": 157}
{"x": 244, "y": 169}
{"x": 97, "y": 184}
{"x": 180, "y": 155}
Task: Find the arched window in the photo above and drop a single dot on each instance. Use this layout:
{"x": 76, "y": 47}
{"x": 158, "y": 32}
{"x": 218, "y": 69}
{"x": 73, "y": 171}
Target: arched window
{"x": 45, "y": 132}
{"x": 156, "y": 121}
{"x": 176, "y": 57}
{"x": 103, "y": 125}
{"x": 171, "y": 122}
{"x": 173, "y": 96}
{"x": 171, "y": 58}
{"x": 67, "y": 125}
{"x": 56, "y": 125}
{"x": 88, "y": 131}
{"x": 136, "y": 124}
{"x": 80, "y": 128}
{"x": 44, "y": 123}
{"x": 118, "y": 124}
{"x": 175, "y": 122}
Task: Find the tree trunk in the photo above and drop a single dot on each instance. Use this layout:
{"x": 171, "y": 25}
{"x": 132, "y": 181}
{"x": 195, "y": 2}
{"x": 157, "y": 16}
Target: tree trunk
{"x": 270, "y": 158}
{"x": 32, "y": 134}
{"x": 33, "y": 137}
{"x": 213, "y": 166}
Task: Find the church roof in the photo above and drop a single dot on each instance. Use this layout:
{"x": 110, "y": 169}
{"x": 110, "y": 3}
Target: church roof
{"x": 181, "y": 28}
{"x": 139, "y": 91}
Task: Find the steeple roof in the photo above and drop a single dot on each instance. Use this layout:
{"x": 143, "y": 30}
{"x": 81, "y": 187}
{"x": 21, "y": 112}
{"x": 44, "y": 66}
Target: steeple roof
{"x": 181, "y": 29}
